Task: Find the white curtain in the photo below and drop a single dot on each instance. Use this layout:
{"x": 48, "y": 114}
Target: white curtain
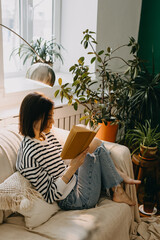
{"x": 1, "y": 54}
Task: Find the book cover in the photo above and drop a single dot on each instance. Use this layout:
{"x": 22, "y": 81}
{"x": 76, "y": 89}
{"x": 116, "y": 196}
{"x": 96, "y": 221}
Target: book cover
{"x": 77, "y": 141}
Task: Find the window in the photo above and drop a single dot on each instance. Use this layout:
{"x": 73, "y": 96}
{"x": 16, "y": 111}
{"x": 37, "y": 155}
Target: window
{"x": 29, "y": 18}
{"x": 10, "y": 18}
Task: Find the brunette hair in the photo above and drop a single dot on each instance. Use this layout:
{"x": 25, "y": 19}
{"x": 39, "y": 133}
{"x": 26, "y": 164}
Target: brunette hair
{"x": 35, "y": 106}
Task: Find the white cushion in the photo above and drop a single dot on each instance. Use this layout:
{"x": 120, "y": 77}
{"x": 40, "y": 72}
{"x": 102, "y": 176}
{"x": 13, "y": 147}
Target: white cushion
{"x": 10, "y": 141}
{"x": 16, "y": 193}
{"x": 39, "y": 213}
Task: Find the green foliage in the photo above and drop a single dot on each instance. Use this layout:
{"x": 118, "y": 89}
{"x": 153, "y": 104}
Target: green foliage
{"x": 142, "y": 134}
{"x": 105, "y": 98}
{"x": 145, "y": 99}
{"x": 47, "y": 50}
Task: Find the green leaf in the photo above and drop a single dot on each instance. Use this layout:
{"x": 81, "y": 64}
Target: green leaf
{"x": 62, "y": 95}
{"x": 82, "y": 99}
{"x": 85, "y": 44}
{"x": 93, "y": 59}
{"x": 101, "y": 52}
{"x": 108, "y": 49}
{"x": 99, "y": 59}
{"x": 81, "y": 60}
{"x": 56, "y": 93}
{"x": 76, "y": 82}
{"x": 72, "y": 68}
{"x": 86, "y": 121}
{"x": 75, "y": 105}
{"x": 84, "y": 75}
{"x": 94, "y": 42}
{"x": 92, "y": 32}
{"x": 83, "y": 118}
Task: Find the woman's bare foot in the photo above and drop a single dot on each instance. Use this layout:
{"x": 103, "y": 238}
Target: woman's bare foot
{"x": 120, "y": 196}
{"x": 127, "y": 179}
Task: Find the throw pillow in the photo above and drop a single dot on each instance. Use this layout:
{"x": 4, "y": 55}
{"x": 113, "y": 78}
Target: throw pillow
{"x": 39, "y": 213}
{"x": 16, "y": 193}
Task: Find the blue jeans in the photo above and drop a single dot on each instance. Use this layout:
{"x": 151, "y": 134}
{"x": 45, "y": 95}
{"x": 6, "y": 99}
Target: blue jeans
{"x": 97, "y": 171}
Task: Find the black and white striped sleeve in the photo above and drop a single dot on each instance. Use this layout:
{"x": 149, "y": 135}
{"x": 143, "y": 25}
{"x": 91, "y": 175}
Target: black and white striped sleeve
{"x": 51, "y": 190}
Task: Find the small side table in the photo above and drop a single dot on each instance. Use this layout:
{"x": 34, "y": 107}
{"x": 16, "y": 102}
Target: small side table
{"x": 140, "y": 164}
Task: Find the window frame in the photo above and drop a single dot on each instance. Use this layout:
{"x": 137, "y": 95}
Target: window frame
{"x": 24, "y": 14}
{"x": 9, "y": 100}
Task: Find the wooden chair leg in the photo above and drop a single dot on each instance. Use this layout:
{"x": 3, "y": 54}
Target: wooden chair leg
{"x": 156, "y": 170}
{"x": 139, "y": 177}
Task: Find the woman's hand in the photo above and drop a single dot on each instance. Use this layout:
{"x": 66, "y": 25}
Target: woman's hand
{"x": 79, "y": 160}
{"x": 75, "y": 163}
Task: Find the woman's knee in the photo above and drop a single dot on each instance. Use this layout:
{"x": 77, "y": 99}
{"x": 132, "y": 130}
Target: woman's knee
{"x": 94, "y": 144}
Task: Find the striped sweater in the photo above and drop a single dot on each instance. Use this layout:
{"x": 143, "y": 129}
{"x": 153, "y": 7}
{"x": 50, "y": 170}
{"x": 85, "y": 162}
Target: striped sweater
{"x": 40, "y": 162}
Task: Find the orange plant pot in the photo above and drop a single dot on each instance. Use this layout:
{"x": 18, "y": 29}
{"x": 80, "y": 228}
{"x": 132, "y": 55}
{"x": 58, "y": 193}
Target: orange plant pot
{"x": 107, "y": 133}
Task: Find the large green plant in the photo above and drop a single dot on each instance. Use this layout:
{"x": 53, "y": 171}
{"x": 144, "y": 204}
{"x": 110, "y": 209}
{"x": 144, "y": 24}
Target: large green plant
{"x": 104, "y": 95}
{"x": 48, "y": 51}
{"x": 145, "y": 99}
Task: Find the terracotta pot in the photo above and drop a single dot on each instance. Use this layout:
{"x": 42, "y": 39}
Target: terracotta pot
{"x": 107, "y": 133}
{"x": 148, "y": 152}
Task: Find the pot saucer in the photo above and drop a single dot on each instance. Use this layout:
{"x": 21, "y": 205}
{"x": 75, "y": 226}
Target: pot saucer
{"x": 150, "y": 214}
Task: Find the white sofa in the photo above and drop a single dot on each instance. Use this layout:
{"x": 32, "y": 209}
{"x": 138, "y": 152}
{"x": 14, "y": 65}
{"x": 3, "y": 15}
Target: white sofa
{"x": 107, "y": 221}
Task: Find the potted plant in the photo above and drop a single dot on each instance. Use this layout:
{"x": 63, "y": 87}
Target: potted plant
{"x": 145, "y": 139}
{"x": 48, "y": 51}
{"x": 41, "y": 71}
{"x": 105, "y": 93}
{"x": 149, "y": 194}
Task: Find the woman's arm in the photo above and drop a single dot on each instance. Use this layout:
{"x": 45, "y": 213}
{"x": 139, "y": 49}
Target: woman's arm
{"x": 74, "y": 165}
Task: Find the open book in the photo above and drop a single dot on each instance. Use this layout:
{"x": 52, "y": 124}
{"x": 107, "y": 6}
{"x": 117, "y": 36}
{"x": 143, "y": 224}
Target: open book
{"x": 77, "y": 141}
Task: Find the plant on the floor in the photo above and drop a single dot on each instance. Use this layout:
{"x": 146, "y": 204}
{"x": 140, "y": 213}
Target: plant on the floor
{"x": 143, "y": 137}
{"x": 150, "y": 189}
{"x": 104, "y": 94}
{"x": 46, "y": 50}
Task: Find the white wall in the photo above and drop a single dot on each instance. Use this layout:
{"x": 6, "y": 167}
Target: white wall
{"x": 77, "y": 16}
{"x": 1, "y": 54}
{"x": 113, "y": 20}
{"x": 116, "y": 22}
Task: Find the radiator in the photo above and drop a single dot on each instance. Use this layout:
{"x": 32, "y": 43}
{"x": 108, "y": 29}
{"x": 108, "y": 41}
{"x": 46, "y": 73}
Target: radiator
{"x": 65, "y": 117}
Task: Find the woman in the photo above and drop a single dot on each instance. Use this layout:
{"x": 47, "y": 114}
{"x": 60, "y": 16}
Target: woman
{"x": 76, "y": 186}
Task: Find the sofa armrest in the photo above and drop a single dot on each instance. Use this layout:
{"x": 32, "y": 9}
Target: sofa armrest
{"x": 121, "y": 157}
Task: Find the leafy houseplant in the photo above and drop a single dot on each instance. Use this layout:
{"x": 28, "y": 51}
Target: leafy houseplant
{"x": 145, "y": 99}
{"x": 144, "y": 138}
{"x": 106, "y": 98}
{"x": 48, "y": 51}
{"x": 40, "y": 71}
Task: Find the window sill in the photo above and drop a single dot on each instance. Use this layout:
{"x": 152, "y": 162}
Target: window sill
{"x": 17, "y": 88}
{"x": 21, "y": 84}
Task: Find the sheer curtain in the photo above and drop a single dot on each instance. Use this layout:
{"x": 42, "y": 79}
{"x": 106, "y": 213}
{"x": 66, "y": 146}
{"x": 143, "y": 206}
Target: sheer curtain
{"x": 1, "y": 54}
